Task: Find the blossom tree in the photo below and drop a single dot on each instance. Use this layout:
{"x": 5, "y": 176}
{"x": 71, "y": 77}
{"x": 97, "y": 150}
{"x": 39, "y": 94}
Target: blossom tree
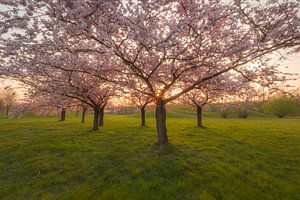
{"x": 224, "y": 88}
{"x": 38, "y": 102}
{"x": 213, "y": 90}
{"x": 8, "y": 97}
{"x": 163, "y": 43}
{"x": 84, "y": 110}
{"x": 80, "y": 77}
{"x": 136, "y": 97}
{"x": 245, "y": 101}
{"x": 140, "y": 101}
{"x": 84, "y": 88}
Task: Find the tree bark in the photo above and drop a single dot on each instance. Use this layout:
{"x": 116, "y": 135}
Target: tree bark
{"x": 199, "y": 116}
{"x": 96, "y": 119}
{"x": 83, "y": 114}
{"x": 160, "y": 115}
{"x": 143, "y": 120}
{"x": 101, "y": 116}
{"x": 63, "y": 115}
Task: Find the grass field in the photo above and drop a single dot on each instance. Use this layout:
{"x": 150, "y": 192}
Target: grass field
{"x": 255, "y": 158}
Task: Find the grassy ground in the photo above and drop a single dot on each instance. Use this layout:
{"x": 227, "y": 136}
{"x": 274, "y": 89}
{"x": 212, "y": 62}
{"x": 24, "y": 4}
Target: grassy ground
{"x": 256, "y": 158}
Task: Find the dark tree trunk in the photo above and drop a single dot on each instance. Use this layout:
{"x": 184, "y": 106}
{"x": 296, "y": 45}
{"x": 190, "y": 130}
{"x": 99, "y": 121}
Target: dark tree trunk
{"x": 199, "y": 116}
{"x": 96, "y": 119}
{"x": 63, "y": 115}
{"x": 143, "y": 120}
{"x": 160, "y": 115}
{"x": 83, "y": 114}
{"x": 101, "y": 116}
{"x": 7, "y": 111}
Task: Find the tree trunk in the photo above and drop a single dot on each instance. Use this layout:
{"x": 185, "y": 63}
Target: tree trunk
{"x": 63, "y": 115}
{"x": 7, "y": 111}
{"x": 96, "y": 119}
{"x": 101, "y": 116}
{"x": 199, "y": 116}
{"x": 160, "y": 115}
{"x": 83, "y": 114}
{"x": 143, "y": 120}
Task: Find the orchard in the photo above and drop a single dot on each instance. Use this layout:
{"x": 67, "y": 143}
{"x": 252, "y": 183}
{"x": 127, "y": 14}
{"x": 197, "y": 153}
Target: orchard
{"x": 161, "y": 49}
{"x": 90, "y": 56}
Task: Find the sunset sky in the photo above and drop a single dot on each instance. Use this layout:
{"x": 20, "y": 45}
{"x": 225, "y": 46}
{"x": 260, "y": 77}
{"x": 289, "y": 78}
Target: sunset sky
{"x": 293, "y": 64}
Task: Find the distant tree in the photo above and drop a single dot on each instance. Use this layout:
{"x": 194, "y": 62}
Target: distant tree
{"x": 245, "y": 101}
{"x": 212, "y": 91}
{"x": 281, "y": 107}
{"x": 84, "y": 110}
{"x": 1, "y": 103}
{"x": 8, "y": 98}
{"x": 141, "y": 101}
{"x": 243, "y": 108}
{"x": 40, "y": 102}
{"x": 224, "y": 110}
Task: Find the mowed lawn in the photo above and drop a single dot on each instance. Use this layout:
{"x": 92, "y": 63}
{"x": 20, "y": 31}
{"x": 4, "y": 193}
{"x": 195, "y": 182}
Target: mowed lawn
{"x": 255, "y": 158}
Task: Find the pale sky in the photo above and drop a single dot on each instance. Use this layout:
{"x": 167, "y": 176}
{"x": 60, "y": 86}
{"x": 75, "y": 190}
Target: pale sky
{"x": 293, "y": 64}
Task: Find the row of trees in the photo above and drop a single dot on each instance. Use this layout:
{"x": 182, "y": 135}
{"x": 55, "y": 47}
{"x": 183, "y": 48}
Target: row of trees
{"x": 152, "y": 50}
{"x": 279, "y": 106}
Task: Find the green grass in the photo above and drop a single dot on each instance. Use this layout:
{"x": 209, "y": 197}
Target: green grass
{"x": 256, "y": 158}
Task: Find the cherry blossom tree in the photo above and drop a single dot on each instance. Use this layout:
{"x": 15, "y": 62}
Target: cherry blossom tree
{"x": 224, "y": 109}
{"x": 82, "y": 77}
{"x": 245, "y": 101}
{"x": 171, "y": 46}
{"x": 84, "y": 88}
{"x": 212, "y": 91}
{"x": 141, "y": 101}
{"x": 8, "y": 98}
{"x": 138, "y": 98}
{"x": 43, "y": 103}
{"x": 1, "y": 104}
{"x": 224, "y": 88}
{"x": 84, "y": 110}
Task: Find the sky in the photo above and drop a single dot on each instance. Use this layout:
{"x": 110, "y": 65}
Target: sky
{"x": 293, "y": 64}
